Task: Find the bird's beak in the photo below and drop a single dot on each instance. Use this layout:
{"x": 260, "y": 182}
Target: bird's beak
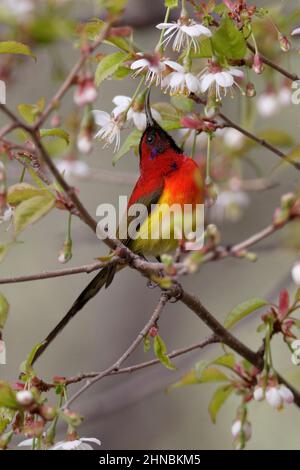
{"x": 149, "y": 117}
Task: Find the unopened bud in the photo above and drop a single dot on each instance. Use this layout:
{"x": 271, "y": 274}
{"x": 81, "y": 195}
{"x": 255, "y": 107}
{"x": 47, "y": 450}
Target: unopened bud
{"x": 296, "y": 273}
{"x": 213, "y": 234}
{"x": 288, "y": 200}
{"x": 257, "y": 64}
{"x": 284, "y": 43}
{"x": 66, "y": 252}
{"x": 47, "y": 412}
{"x": 250, "y": 90}
{"x": 84, "y": 143}
{"x": 24, "y": 397}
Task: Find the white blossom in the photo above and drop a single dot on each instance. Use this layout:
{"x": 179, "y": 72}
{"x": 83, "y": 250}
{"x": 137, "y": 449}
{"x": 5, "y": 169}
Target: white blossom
{"x": 152, "y": 65}
{"x": 284, "y": 96}
{"x": 219, "y": 79}
{"x": 77, "y": 444}
{"x": 286, "y": 394}
{"x": 296, "y": 354}
{"x": 84, "y": 143}
{"x": 239, "y": 427}
{"x": 267, "y": 104}
{"x": 184, "y": 34}
{"x": 258, "y": 393}
{"x": 72, "y": 169}
{"x": 18, "y": 7}
{"x": 273, "y": 397}
{"x": 7, "y": 214}
{"x": 295, "y": 32}
{"x": 137, "y": 116}
{"x": 229, "y": 206}
{"x": 180, "y": 81}
{"x": 233, "y": 138}
{"x": 24, "y": 397}
{"x": 85, "y": 92}
{"x": 296, "y": 273}
{"x": 110, "y": 128}
{"x": 2, "y": 352}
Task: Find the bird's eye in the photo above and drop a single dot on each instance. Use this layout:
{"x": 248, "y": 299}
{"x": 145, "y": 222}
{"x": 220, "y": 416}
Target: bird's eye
{"x": 150, "y": 138}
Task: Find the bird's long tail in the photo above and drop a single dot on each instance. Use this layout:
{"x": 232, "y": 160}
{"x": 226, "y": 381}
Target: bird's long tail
{"x": 103, "y": 278}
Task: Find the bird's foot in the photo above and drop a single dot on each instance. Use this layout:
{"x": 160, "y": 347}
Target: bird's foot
{"x": 175, "y": 293}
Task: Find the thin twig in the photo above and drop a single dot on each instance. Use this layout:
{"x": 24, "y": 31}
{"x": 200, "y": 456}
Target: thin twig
{"x": 116, "y": 366}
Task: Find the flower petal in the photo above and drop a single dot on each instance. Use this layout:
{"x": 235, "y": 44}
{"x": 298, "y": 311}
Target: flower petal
{"x": 139, "y": 120}
{"x": 101, "y": 118}
{"x": 121, "y": 100}
{"x": 206, "y": 81}
{"x": 140, "y": 63}
{"x": 91, "y": 439}
{"x": 224, "y": 79}
{"x": 174, "y": 65}
{"x": 192, "y": 82}
{"x": 168, "y": 26}
{"x": 26, "y": 443}
{"x": 196, "y": 30}
{"x": 236, "y": 72}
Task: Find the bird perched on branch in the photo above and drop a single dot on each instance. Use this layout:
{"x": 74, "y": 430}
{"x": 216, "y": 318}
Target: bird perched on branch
{"x": 167, "y": 178}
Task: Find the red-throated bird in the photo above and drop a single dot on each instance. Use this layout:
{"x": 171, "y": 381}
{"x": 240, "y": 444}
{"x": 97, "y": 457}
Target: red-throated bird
{"x": 167, "y": 177}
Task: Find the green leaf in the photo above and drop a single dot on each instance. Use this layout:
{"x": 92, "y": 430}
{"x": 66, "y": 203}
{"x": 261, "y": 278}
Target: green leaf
{"x": 122, "y": 43}
{"x": 293, "y": 156}
{"x": 109, "y": 65}
{"x": 26, "y": 366}
{"x": 297, "y": 296}
{"x": 56, "y": 132}
{"x": 171, "y": 3}
{"x": 6, "y": 417}
{"x": 31, "y": 210}
{"x": 211, "y": 374}
{"x": 242, "y": 310}
{"x": 228, "y": 41}
{"x": 183, "y": 103}
{"x": 204, "y": 51}
{"x": 21, "y": 192}
{"x": 14, "y": 47}
{"x": 30, "y": 112}
{"x": 170, "y": 125}
{"x": 160, "y": 351}
{"x": 218, "y": 399}
{"x": 227, "y": 360}
{"x": 132, "y": 140}
{"x": 4, "y": 308}
{"x": 7, "y": 397}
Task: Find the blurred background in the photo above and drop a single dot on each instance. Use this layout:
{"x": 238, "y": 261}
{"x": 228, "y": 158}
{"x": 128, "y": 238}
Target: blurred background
{"x": 133, "y": 411}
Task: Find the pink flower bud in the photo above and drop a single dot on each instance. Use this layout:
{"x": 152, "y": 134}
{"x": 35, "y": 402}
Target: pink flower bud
{"x": 274, "y": 398}
{"x": 258, "y": 394}
{"x": 284, "y": 43}
{"x": 257, "y": 64}
{"x": 283, "y": 304}
{"x": 286, "y": 394}
{"x": 153, "y": 331}
{"x": 250, "y": 90}
{"x": 84, "y": 143}
{"x": 85, "y": 92}
{"x": 238, "y": 427}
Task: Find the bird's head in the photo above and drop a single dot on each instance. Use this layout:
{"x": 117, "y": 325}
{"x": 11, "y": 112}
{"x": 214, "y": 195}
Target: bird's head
{"x": 157, "y": 148}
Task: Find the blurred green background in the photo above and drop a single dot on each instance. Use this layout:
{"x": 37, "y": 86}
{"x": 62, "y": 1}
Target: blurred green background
{"x": 133, "y": 411}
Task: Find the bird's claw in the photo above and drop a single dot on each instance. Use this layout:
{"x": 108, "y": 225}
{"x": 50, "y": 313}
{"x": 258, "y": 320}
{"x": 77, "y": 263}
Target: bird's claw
{"x": 175, "y": 295}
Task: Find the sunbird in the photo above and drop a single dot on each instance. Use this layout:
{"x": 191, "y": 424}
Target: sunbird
{"x": 167, "y": 177}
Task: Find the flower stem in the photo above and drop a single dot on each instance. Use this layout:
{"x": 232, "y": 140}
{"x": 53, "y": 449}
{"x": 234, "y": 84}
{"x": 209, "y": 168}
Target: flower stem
{"x": 159, "y": 46}
{"x": 208, "y": 159}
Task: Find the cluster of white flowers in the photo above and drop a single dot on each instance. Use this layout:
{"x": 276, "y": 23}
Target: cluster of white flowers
{"x": 110, "y": 124}
{"x": 219, "y": 79}
{"x": 276, "y": 395}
